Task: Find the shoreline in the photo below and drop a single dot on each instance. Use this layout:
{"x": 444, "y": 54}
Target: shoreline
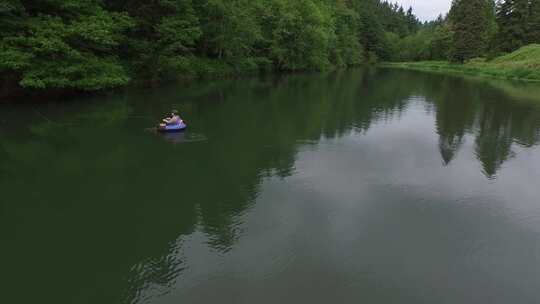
{"x": 480, "y": 70}
{"x": 22, "y": 95}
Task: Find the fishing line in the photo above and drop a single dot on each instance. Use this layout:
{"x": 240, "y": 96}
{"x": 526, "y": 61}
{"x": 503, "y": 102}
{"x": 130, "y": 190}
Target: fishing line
{"x": 43, "y": 116}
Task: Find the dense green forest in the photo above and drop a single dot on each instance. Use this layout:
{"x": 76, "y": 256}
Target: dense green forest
{"x": 472, "y": 28}
{"x": 99, "y": 44}
{"x": 88, "y": 45}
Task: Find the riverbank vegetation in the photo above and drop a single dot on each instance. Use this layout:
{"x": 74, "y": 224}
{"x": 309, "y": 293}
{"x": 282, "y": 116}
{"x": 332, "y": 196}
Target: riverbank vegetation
{"x": 89, "y": 45}
{"x": 522, "y": 64}
{"x": 479, "y": 37}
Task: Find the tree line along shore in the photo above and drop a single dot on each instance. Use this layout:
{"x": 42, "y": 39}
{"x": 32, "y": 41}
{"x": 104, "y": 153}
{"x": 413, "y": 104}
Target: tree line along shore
{"x": 93, "y": 45}
{"x": 89, "y": 45}
{"x": 498, "y": 39}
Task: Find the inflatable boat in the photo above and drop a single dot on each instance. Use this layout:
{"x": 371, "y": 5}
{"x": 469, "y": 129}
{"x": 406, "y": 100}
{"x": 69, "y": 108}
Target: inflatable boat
{"x": 173, "y": 128}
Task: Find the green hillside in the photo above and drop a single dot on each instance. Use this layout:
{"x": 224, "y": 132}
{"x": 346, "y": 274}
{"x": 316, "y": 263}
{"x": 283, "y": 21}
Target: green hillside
{"x": 527, "y": 56}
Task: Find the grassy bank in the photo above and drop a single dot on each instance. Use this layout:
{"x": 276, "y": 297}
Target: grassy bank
{"x": 523, "y": 64}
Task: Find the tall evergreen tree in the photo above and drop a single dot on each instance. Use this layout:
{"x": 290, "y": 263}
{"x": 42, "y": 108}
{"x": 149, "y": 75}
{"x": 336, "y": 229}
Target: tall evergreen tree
{"x": 372, "y": 29}
{"x": 512, "y": 19}
{"x": 412, "y": 21}
{"x": 493, "y": 29}
{"x": 470, "y": 26}
{"x": 534, "y": 23}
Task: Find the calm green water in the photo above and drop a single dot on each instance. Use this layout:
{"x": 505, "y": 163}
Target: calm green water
{"x": 366, "y": 186}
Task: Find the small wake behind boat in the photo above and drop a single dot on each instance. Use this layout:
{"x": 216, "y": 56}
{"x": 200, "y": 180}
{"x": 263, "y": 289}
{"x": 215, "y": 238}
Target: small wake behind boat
{"x": 181, "y": 126}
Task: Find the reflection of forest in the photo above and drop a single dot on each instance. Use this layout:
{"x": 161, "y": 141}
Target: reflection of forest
{"x": 488, "y": 114}
{"x": 109, "y": 206}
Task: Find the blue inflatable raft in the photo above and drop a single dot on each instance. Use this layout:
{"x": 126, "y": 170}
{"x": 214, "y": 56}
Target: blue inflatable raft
{"x": 173, "y": 128}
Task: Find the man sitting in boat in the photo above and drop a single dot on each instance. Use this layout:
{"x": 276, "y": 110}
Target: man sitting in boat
{"x": 174, "y": 119}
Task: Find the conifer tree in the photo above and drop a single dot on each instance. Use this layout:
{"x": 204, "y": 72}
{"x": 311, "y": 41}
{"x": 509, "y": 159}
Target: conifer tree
{"x": 470, "y": 25}
{"x": 412, "y": 21}
{"x": 512, "y": 19}
{"x": 534, "y": 23}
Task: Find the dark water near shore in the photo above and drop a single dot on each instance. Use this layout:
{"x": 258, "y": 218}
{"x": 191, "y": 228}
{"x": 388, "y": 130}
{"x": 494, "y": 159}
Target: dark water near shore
{"x": 375, "y": 186}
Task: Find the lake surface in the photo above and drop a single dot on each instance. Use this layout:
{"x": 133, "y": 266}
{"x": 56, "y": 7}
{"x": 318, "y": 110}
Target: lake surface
{"x": 365, "y": 186}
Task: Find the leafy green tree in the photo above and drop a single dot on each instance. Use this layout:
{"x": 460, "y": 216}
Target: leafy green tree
{"x": 162, "y": 43}
{"x": 300, "y": 35}
{"x": 230, "y": 28}
{"x": 432, "y": 41}
{"x": 441, "y": 42}
{"x": 63, "y": 45}
{"x": 346, "y": 48}
{"x": 99, "y": 44}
